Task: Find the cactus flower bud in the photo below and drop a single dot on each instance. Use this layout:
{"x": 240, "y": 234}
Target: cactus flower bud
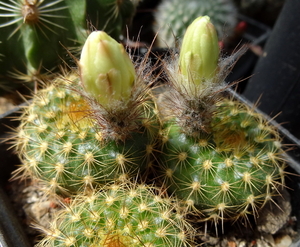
{"x": 106, "y": 70}
{"x": 200, "y": 50}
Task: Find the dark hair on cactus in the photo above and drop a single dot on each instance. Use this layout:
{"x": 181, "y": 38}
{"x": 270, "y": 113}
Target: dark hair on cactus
{"x": 91, "y": 127}
{"x": 218, "y": 155}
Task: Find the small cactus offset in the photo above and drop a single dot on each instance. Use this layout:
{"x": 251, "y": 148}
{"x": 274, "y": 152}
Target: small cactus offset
{"x": 120, "y": 215}
{"x": 173, "y": 17}
{"x": 218, "y": 155}
{"x": 89, "y": 128}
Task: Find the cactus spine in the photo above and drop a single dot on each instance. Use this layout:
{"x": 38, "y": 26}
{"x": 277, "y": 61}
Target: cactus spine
{"x": 36, "y": 34}
{"x": 173, "y": 17}
{"x": 98, "y": 125}
{"x": 120, "y": 215}
{"x": 42, "y": 26}
{"x": 73, "y": 138}
{"x": 219, "y": 156}
{"x": 115, "y": 15}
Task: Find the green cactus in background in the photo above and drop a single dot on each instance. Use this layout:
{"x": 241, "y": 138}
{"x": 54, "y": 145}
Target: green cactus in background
{"x": 120, "y": 215}
{"x": 173, "y": 17}
{"x": 218, "y": 155}
{"x": 42, "y": 28}
{"x": 89, "y": 128}
{"x": 111, "y": 16}
{"x": 36, "y": 35}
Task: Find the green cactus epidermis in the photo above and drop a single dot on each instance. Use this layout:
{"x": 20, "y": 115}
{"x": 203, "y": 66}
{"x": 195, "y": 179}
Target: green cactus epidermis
{"x": 120, "y": 215}
{"x": 173, "y": 17}
{"x": 61, "y": 145}
{"x": 112, "y": 16}
{"x": 46, "y": 28}
{"x": 228, "y": 173}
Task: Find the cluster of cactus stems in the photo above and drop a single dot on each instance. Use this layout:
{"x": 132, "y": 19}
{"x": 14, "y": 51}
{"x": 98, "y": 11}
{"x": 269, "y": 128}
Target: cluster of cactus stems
{"x": 39, "y": 32}
{"x": 98, "y": 134}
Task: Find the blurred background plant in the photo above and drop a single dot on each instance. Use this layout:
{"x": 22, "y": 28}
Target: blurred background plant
{"x": 40, "y": 36}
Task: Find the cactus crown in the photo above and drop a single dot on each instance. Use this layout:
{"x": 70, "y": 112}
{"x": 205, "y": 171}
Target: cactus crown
{"x": 218, "y": 155}
{"x": 118, "y": 97}
{"x": 71, "y": 137}
{"x": 196, "y": 79}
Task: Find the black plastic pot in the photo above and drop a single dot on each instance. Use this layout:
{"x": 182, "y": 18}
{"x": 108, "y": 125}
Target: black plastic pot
{"x": 256, "y": 34}
{"x": 277, "y": 74}
{"x": 292, "y": 158}
{"x": 11, "y": 232}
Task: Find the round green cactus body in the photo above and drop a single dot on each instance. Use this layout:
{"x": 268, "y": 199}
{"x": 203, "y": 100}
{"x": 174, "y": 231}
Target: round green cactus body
{"x": 219, "y": 156}
{"x": 83, "y": 130}
{"x": 61, "y": 142}
{"x": 173, "y": 17}
{"x": 120, "y": 215}
{"x": 228, "y": 172}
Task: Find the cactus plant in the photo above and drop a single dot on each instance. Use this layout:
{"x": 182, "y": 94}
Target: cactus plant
{"x": 173, "y": 17}
{"x": 42, "y": 26}
{"x": 120, "y": 215}
{"x": 36, "y": 34}
{"x": 219, "y": 156}
{"x": 115, "y": 15}
{"x": 89, "y": 128}
{"x": 34, "y": 38}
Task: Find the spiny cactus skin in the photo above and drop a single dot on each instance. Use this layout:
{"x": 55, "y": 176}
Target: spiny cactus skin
{"x": 34, "y": 36}
{"x": 115, "y": 15}
{"x": 45, "y": 27}
{"x": 229, "y": 172}
{"x": 62, "y": 144}
{"x": 119, "y": 215}
{"x": 173, "y": 17}
{"x": 218, "y": 155}
{"x": 72, "y": 137}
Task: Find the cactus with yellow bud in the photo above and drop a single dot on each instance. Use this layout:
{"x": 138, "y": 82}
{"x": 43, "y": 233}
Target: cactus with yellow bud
{"x": 92, "y": 126}
{"x": 220, "y": 157}
{"x": 93, "y": 129}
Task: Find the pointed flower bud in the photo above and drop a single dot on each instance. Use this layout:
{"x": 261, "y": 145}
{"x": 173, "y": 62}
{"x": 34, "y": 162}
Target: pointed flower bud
{"x": 106, "y": 70}
{"x": 200, "y": 50}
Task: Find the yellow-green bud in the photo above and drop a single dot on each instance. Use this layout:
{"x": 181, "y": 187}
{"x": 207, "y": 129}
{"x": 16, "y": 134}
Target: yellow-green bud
{"x": 200, "y": 50}
{"x": 106, "y": 70}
